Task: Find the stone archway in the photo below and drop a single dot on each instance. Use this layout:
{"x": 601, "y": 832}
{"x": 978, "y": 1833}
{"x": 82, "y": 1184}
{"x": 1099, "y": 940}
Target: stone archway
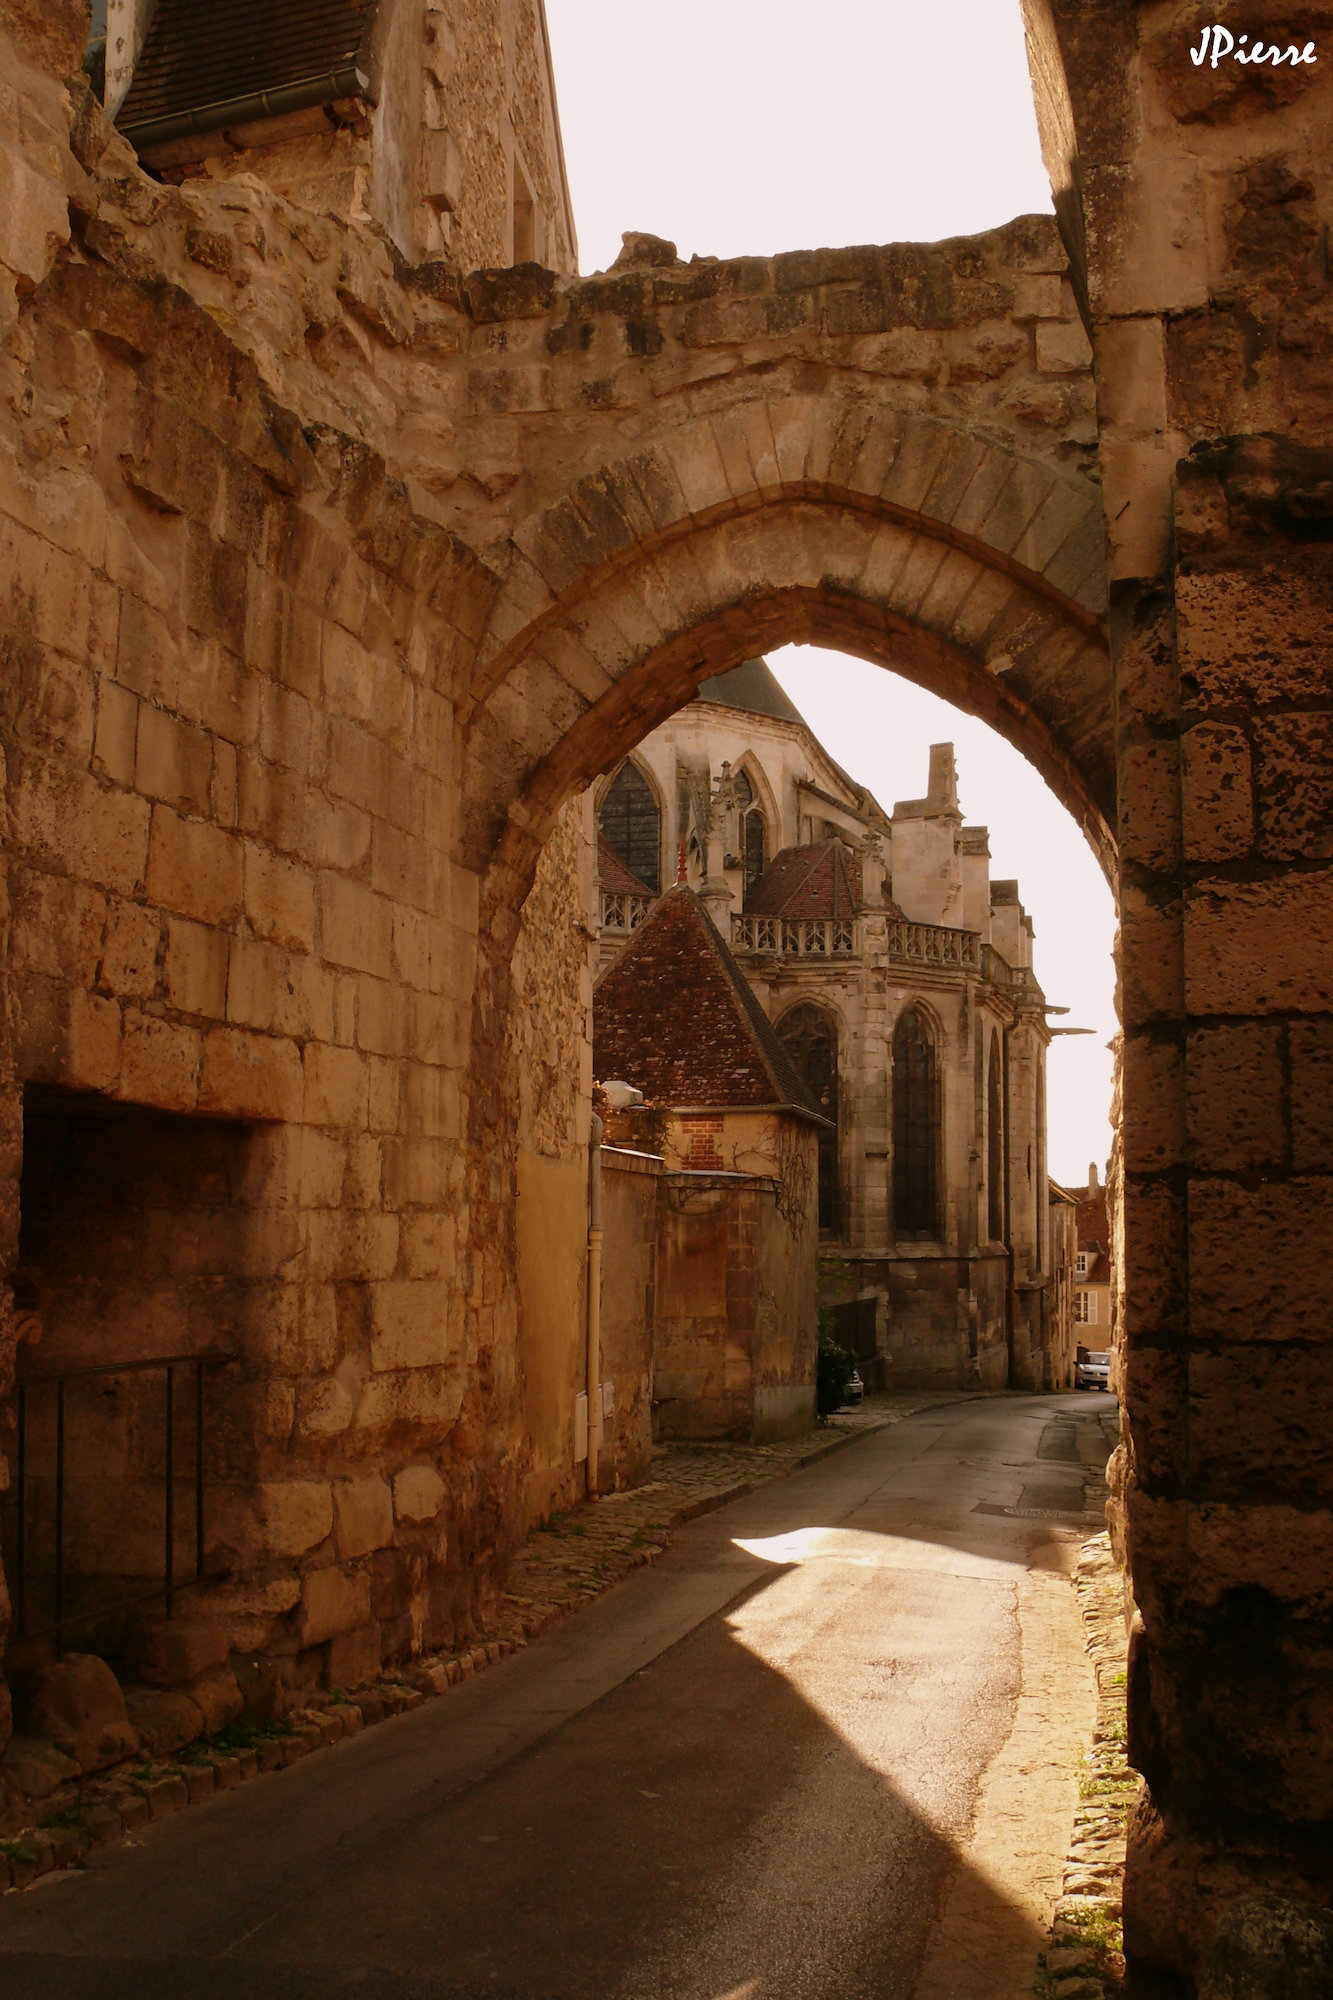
{"x": 626, "y": 640}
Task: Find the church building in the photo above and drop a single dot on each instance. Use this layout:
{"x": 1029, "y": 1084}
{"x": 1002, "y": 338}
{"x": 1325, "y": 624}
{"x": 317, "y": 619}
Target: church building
{"x": 899, "y": 979}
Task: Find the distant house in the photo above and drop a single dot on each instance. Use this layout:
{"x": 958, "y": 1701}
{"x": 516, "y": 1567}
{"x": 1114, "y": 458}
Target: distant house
{"x": 1061, "y": 1352}
{"x": 1092, "y": 1267}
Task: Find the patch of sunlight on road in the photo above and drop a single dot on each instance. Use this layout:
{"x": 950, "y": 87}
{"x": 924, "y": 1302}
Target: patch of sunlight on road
{"x": 741, "y": 1992}
{"x": 857, "y": 1548}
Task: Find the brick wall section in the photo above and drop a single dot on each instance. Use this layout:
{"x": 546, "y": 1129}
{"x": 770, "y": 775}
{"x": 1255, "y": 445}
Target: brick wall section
{"x": 703, "y": 1140}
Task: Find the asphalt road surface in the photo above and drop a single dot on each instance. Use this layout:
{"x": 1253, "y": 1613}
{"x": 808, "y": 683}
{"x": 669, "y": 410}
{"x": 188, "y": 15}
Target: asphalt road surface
{"x": 748, "y": 1773}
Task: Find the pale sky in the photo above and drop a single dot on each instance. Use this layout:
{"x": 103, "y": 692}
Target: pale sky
{"x": 734, "y": 126}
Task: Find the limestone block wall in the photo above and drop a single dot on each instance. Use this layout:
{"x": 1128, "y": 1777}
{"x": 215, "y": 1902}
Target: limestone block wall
{"x": 549, "y": 1057}
{"x": 1195, "y": 200}
{"x": 736, "y": 1324}
{"x": 631, "y": 1196}
{"x": 230, "y": 907}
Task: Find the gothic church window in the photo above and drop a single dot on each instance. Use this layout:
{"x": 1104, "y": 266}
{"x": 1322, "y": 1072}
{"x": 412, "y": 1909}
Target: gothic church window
{"x": 811, "y": 1040}
{"x": 753, "y": 833}
{"x": 994, "y": 1146}
{"x": 916, "y": 1128}
{"x": 631, "y": 825}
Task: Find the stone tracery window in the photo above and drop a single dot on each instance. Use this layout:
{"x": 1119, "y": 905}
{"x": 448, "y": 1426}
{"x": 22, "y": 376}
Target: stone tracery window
{"x": 994, "y": 1145}
{"x": 916, "y": 1128}
{"x": 753, "y": 833}
{"x": 811, "y": 1040}
{"x": 630, "y": 822}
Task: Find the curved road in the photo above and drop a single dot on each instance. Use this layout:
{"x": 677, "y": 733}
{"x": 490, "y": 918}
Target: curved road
{"x": 749, "y": 1773}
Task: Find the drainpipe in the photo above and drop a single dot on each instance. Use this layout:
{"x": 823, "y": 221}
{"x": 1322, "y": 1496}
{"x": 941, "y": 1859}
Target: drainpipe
{"x": 594, "y": 1362}
{"x": 251, "y": 109}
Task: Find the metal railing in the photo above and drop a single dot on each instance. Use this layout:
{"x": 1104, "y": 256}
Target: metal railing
{"x": 932, "y": 944}
{"x": 806, "y": 937}
{"x": 167, "y": 1590}
{"x": 623, "y": 912}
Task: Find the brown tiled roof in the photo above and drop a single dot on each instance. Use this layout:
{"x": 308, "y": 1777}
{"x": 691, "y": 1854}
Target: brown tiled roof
{"x": 202, "y": 52}
{"x": 612, "y": 874}
{"x": 823, "y": 880}
{"x": 674, "y": 1017}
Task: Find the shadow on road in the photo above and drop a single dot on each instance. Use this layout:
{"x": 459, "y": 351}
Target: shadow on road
{"x": 707, "y": 1830}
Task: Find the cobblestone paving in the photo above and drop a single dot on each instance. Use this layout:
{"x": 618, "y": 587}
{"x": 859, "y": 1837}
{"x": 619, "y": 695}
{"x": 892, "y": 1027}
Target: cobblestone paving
{"x": 574, "y": 1556}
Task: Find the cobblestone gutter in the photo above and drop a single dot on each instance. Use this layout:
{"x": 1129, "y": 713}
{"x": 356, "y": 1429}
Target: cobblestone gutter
{"x": 1084, "y": 1957}
{"x": 566, "y": 1563}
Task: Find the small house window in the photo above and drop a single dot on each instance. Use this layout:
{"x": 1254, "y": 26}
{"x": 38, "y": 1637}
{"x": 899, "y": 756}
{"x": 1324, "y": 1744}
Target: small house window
{"x": 1085, "y": 1308}
{"x": 1081, "y": 1264}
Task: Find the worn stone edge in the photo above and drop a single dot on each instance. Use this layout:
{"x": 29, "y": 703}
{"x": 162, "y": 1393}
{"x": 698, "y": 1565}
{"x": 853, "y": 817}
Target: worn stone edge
{"x": 1089, "y": 1907}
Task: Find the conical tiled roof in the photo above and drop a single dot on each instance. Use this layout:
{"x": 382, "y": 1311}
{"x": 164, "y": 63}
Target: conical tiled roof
{"x": 614, "y": 876}
{"x": 751, "y": 686}
{"x": 820, "y": 880}
{"x": 675, "y": 1017}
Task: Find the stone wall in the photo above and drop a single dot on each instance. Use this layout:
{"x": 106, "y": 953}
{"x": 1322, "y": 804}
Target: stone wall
{"x": 735, "y": 1327}
{"x": 549, "y": 1058}
{"x": 328, "y": 582}
{"x": 276, "y": 789}
{"x": 1194, "y": 199}
{"x": 631, "y": 1197}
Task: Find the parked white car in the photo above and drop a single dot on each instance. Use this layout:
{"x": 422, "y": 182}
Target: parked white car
{"x": 1092, "y": 1371}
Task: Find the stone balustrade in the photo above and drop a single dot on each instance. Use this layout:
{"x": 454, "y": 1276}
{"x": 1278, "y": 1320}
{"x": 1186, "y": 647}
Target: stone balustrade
{"x": 810, "y": 937}
{"x": 623, "y": 912}
{"x": 933, "y": 944}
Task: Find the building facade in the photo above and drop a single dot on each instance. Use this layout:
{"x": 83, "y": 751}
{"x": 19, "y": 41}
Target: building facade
{"x": 899, "y": 978}
{"x": 1093, "y": 1275}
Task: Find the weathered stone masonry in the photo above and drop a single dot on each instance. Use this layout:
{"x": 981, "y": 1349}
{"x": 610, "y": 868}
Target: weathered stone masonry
{"x": 330, "y": 580}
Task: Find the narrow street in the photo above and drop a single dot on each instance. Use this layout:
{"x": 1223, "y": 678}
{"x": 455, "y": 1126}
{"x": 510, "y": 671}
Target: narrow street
{"x": 758, "y": 1771}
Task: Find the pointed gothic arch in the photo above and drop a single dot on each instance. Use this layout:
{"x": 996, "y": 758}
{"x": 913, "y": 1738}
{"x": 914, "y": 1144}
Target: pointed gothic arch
{"x": 809, "y": 1033}
{"x": 629, "y": 820}
{"x": 757, "y": 836}
{"x": 917, "y": 1122}
{"x": 994, "y": 1141}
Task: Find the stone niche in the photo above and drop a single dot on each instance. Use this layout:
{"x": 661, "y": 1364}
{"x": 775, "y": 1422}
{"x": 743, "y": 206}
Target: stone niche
{"x": 135, "y": 1243}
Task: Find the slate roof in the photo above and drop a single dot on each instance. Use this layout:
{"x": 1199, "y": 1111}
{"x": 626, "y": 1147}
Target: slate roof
{"x": 614, "y": 876}
{"x": 751, "y": 686}
{"x": 201, "y": 52}
{"x": 821, "y": 880}
{"x": 674, "y": 1017}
